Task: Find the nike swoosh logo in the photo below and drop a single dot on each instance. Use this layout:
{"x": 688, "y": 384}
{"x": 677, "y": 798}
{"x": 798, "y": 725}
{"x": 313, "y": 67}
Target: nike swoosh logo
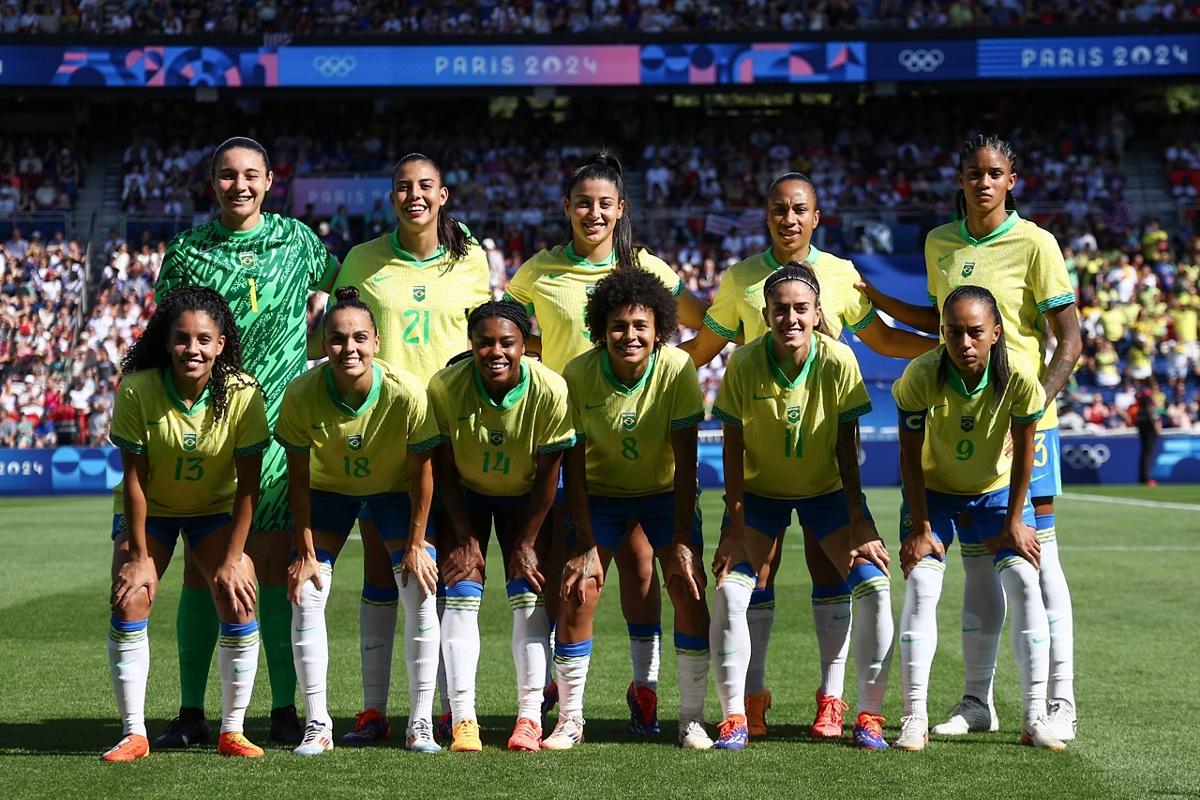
{"x": 591, "y": 407}
{"x": 372, "y": 646}
{"x": 424, "y": 630}
{"x": 302, "y": 630}
{"x": 761, "y": 397}
{"x": 240, "y": 670}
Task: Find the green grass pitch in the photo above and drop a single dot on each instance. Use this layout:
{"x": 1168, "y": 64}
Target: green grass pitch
{"x": 1132, "y": 556}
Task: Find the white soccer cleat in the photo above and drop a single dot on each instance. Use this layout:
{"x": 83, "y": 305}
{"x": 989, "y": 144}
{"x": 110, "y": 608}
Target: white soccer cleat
{"x": 317, "y": 739}
{"x": 914, "y": 734}
{"x": 1059, "y": 721}
{"x": 567, "y": 733}
{"x": 693, "y": 736}
{"x": 969, "y": 716}
{"x": 1037, "y": 734}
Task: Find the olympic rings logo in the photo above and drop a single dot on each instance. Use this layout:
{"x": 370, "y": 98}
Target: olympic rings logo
{"x": 334, "y": 66}
{"x": 1086, "y": 456}
{"x": 921, "y": 60}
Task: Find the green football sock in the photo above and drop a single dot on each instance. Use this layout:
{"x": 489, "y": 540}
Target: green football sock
{"x": 274, "y": 621}
{"x": 196, "y": 629}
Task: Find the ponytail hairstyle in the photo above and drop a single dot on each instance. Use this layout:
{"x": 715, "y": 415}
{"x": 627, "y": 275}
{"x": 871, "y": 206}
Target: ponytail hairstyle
{"x": 796, "y": 176}
{"x": 630, "y": 287}
{"x": 970, "y": 148}
{"x": 798, "y": 271}
{"x": 604, "y": 166}
{"x": 451, "y": 233}
{"x": 998, "y": 357}
{"x": 345, "y": 299}
{"x": 150, "y": 350}
{"x": 510, "y": 310}
{"x": 235, "y": 143}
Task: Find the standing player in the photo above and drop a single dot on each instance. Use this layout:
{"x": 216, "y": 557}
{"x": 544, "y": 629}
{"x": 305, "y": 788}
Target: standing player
{"x": 636, "y": 402}
{"x": 793, "y": 213}
{"x": 554, "y": 287}
{"x": 1022, "y": 266}
{"x": 419, "y": 281}
{"x": 968, "y": 400}
{"x": 504, "y": 425}
{"x": 359, "y": 433}
{"x": 192, "y": 428}
{"x": 789, "y": 404}
{"x": 264, "y": 265}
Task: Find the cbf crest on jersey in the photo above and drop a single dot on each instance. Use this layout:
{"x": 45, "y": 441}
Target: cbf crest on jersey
{"x": 968, "y": 423}
{"x": 355, "y": 441}
{"x": 419, "y": 293}
{"x": 793, "y": 414}
{"x": 628, "y": 420}
{"x": 495, "y": 437}
{"x": 968, "y": 268}
{"x": 189, "y": 441}
{"x": 247, "y": 260}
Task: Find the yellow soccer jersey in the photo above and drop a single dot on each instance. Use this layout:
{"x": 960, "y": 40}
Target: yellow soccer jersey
{"x": 964, "y": 434}
{"x": 421, "y": 307}
{"x": 496, "y": 444}
{"x": 627, "y": 430}
{"x": 1021, "y": 265}
{"x": 357, "y": 451}
{"x": 737, "y": 308}
{"x": 554, "y": 286}
{"x": 790, "y": 427}
{"x": 192, "y": 471}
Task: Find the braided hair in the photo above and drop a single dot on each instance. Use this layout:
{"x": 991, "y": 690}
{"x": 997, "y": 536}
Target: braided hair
{"x": 451, "y": 233}
{"x": 630, "y": 287}
{"x": 604, "y": 166}
{"x": 345, "y": 299}
{"x": 803, "y": 273}
{"x": 510, "y": 310}
{"x": 150, "y": 350}
{"x": 998, "y": 358}
{"x": 969, "y": 149}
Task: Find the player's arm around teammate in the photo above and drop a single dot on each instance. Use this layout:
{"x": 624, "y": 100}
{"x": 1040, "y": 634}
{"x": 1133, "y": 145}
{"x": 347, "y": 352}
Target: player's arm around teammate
{"x": 793, "y": 214}
{"x": 359, "y": 433}
{"x": 504, "y": 423}
{"x": 636, "y": 403}
{"x": 191, "y": 427}
{"x": 966, "y": 399}
{"x": 789, "y": 404}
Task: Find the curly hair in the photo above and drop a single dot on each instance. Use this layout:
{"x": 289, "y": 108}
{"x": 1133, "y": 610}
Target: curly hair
{"x": 150, "y": 351}
{"x": 630, "y": 287}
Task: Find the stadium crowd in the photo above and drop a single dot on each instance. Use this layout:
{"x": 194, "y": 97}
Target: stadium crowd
{"x": 545, "y": 17}
{"x": 1139, "y": 302}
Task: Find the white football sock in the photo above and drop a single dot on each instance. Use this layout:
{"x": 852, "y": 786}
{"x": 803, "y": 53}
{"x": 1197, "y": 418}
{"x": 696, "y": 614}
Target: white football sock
{"x": 530, "y": 647}
{"x": 1030, "y": 631}
{"x": 832, "y": 619}
{"x": 729, "y": 639}
{"x": 571, "y": 660}
{"x": 645, "y": 653}
{"x": 691, "y": 661}
{"x": 872, "y": 635}
{"x": 422, "y": 639}
{"x": 129, "y": 665}
{"x": 377, "y": 612}
{"x": 237, "y": 656}
{"x": 310, "y": 647}
{"x": 760, "y": 617}
{"x": 982, "y": 620}
{"x": 1057, "y": 598}
{"x": 919, "y": 634}
{"x": 460, "y": 646}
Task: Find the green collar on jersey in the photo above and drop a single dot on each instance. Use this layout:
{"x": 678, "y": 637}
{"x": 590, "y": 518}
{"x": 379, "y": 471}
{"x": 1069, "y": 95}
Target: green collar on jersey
{"x": 579, "y": 261}
{"x": 168, "y": 380}
{"x": 232, "y": 234}
{"x": 1005, "y": 227}
{"x": 511, "y": 398}
{"x": 773, "y": 262}
{"x": 959, "y": 386}
{"x": 615, "y": 382}
{"x": 780, "y": 378}
{"x": 372, "y": 395}
{"x": 404, "y": 255}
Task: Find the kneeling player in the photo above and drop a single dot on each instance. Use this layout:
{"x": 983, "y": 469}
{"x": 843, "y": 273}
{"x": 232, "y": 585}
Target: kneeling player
{"x": 790, "y": 402}
{"x": 192, "y": 427}
{"x": 968, "y": 399}
{"x": 359, "y": 433}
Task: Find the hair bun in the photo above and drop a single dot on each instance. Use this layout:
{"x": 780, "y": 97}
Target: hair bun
{"x": 344, "y": 293}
